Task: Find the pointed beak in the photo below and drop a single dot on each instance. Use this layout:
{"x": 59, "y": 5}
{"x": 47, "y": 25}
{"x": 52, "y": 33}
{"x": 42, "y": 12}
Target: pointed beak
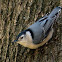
{"x": 15, "y": 40}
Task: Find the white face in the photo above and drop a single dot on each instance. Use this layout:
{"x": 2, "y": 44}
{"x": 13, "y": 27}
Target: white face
{"x": 25, "y": 38}
{"x": 21, "y": 38}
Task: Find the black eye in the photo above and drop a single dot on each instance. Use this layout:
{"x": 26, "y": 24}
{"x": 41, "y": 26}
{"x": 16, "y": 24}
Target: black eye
{"x": 21, "y": 37}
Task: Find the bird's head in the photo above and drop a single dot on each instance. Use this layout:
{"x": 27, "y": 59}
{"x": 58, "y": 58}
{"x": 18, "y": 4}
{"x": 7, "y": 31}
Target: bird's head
{"x": 24, "y": 37}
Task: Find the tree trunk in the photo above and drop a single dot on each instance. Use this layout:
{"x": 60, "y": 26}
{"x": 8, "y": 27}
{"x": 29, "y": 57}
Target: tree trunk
{"x": 17, "y": 15}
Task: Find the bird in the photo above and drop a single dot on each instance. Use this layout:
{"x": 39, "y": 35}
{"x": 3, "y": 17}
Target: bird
{"x": 40, "y": 32}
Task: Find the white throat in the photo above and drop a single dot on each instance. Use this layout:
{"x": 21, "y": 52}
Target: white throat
{"x": 27, "y": 41}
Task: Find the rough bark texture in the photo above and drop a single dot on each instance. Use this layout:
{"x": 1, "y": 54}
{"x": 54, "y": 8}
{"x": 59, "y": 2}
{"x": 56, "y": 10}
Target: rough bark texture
{"x": 17, "y": 15}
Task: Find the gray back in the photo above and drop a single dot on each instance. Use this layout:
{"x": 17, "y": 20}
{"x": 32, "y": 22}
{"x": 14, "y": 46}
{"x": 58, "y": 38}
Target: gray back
{"x": 40, "y": 27}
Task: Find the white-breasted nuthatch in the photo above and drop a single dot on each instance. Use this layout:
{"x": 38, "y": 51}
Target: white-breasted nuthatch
{"x": 40, "y": 32}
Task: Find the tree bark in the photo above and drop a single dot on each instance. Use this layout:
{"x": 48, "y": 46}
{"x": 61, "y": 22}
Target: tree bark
{"x": 17, "y": 15}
